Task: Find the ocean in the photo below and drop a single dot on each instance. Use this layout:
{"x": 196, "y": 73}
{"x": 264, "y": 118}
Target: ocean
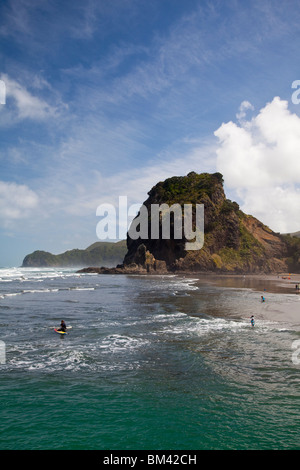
{"x": 151, "y": 362}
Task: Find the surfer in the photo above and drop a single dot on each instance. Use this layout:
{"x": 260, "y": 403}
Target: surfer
{"x": 262, "y": 298}
{"x": 252, "y": 320}
{"x": 63, "y": 326}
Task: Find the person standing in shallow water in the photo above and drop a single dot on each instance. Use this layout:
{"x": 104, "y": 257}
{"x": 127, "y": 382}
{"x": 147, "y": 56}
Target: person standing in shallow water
{"x": 252, "y": 320}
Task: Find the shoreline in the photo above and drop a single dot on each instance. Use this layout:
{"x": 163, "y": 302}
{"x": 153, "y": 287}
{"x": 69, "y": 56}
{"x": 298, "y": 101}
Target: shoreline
{"x": 285, "y": 309}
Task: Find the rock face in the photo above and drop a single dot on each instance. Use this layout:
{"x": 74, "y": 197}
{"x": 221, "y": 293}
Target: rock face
{"x": 234, "y": 242}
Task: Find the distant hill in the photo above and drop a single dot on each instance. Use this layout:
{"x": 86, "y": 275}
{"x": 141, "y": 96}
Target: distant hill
{"x": 295, "y": 234}
{"x": 98, "y": 254}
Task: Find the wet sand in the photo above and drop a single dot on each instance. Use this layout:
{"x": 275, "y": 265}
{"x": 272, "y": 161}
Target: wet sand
{"x": 280, "y": 308}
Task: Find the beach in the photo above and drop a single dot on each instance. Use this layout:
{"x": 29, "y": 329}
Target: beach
{"x": 284, "y": 309}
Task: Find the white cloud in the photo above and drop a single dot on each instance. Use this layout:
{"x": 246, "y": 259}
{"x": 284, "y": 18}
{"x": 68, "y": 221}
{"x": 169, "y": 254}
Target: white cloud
{"x": 27, "y": 105}
{"x": 245, "y": 106}
{"x": 72, "y": 196}
{"x": 16, "y": 202}
{"x": 260, "y": 162}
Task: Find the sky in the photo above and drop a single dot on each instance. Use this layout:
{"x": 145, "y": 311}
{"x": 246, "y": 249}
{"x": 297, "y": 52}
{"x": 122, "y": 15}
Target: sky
{"x": 101, "y": 99}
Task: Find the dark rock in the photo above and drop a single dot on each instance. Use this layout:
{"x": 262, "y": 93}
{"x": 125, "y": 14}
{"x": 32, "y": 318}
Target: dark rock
{"x": 234, "y": 242}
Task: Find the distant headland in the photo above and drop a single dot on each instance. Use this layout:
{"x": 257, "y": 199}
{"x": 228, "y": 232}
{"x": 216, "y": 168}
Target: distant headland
{"x": 97, "y": 254}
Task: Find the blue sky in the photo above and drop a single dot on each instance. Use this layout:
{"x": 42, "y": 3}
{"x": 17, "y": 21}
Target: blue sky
{"x": 106, "y": 98}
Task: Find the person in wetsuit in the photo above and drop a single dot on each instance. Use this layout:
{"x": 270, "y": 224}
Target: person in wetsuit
{"x": 63, "y": 326}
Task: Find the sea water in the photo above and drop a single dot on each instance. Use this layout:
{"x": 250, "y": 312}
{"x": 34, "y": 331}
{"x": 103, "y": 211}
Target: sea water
{"x": 151, "y": 362}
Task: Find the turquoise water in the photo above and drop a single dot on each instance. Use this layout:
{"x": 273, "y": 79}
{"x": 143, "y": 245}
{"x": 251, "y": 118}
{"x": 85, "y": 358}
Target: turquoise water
{"x": 162, "y": 362}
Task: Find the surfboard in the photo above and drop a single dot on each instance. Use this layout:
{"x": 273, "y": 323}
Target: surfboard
{"x": 60, "y": 332}
{"x": 56, "y": 328}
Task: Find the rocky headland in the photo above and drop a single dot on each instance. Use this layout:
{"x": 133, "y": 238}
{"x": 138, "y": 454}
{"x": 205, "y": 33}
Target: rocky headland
{"x": 234, "y": 242}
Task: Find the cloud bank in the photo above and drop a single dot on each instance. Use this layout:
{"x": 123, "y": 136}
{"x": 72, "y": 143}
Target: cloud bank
{"x": 260, "y": 161}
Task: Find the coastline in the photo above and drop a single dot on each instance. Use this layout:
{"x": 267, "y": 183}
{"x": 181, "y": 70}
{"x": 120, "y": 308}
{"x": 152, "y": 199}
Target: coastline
{"x": 279, "y": 308}
{"x": 285, "y": 309}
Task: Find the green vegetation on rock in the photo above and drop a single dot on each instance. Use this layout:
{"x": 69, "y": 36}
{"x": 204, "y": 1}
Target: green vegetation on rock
{"x": 98, "y": 254}
{"x": 233, "y": 241}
